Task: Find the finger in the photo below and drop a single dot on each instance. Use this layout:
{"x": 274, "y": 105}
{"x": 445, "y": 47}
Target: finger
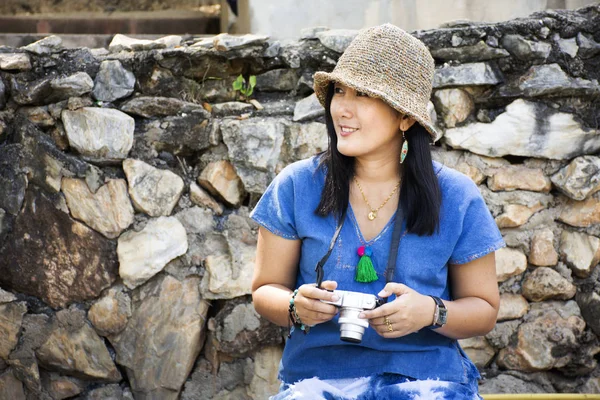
{"x": 379, "y": 312}
{"x": 329, "y": 285}
{"x": 313, "y": 292}
{"x": 394, "y": 288}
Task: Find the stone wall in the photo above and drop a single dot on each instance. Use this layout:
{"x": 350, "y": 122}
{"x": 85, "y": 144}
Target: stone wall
{"x": 127, "y": 175}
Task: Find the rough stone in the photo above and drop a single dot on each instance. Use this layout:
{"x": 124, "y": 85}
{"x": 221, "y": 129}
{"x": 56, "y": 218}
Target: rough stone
{"x": 542, "y": 253}
{"x": 264, "y": 382}
{"x": 60, "y": 261}
{"x": 471, "y": 171}
{"x": 113, "y": 82}
{"x": 47, "y": 45}
{"x": 99, "y": 133}
{"x": 226, "y": 42}
{"x": 11, "y": 387}
{"x": 588, "y": 48}
{"x": 579, "y": 179}
{"x": 74, "y": 348}
{"x": 546, "y": 284}
{"x": 519, "y": 131}
{"x": 74, "y": 85}
{"x": 509, "y": 263}
{"x": 11, "y": 317}
{"x": 112, "y": 392}
{"x": 150, "y": 107}
{"x": 30, "y": 92}
{"x": 110, "y": 313}
{"x": 200, "y": 197}
{"x": 152, "y": 190}
{"x": 501, "y": 335}
{"x": 277, "y": 80}
{"x": 122, "y": 42}
{"x": 207, "y": 382}
{"x": 524, "y": 49}
{"x": 2, "y": 105}
{"x": 181, "y": 134}
{"x": 39, "y": 116}
{"x": 107, "y": 211}
{"x": 15, "y": 61}
{"x": 303, "y": 141}
{"x": 548, "y": 80}
{"x": 516, "y": 215}
{"x": 472, "y": 74}
{"x": 254, "y": 148}
{"x": 508, "y": 384}
{"x": 581, "y": 213}
{"x": 143, "y": 254}
{"x": 455, "y": 105}
{"x": 477, "y": 52}
{"x": 512, "y": 306}
{"x": 568, "y": 46}
{"x": 239, "y": 331}
{"x": 169, "y": 319}
{"x": 6, "y": 297}
{"x": 589, "y": 303}
{"x": 221, "y": 180}
{"x": 62, "y": 387}
{"x": 229, "y": 273}
{"x": 231, "y": 108}
{"x": 336, "y": 39}
{"x": 546, "y": 339}
{"x": 478, "y": 350}
{"x": 513, "y": 178}
{"x": 308, "y": 108}
{"x": 580, "y": 252}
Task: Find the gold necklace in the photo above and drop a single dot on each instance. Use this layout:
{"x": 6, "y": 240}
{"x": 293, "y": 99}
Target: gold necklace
{"x": 373, "y": 214}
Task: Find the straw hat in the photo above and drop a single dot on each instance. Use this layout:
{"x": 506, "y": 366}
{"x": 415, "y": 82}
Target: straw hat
{"x": 388, "y": 63}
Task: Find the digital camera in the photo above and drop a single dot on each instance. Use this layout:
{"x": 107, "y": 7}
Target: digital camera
{"x": 351, "y": 304}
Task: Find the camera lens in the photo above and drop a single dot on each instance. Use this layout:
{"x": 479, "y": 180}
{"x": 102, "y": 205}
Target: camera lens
{"x": 352, "y": 328}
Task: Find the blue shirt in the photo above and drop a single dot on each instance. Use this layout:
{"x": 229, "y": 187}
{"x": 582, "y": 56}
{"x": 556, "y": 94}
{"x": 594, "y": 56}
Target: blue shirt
{"x": 466, "y": 231}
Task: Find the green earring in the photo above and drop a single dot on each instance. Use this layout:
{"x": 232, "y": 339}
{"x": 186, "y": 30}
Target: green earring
{"x": 404, "y": 151}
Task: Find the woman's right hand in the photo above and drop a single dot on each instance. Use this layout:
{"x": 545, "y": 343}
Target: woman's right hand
{"x": 309, "y": 306}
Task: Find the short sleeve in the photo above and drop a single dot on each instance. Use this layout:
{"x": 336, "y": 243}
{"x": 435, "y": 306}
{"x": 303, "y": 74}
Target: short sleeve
{"x": 479, "y": 235}
{"x": 275, "y": 209}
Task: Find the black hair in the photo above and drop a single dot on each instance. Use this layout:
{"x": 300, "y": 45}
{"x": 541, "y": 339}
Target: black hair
{"x": 420, "y": 197}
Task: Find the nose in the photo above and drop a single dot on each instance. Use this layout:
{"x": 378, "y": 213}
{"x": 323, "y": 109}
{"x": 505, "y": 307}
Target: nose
{"x": 343, "y": 106}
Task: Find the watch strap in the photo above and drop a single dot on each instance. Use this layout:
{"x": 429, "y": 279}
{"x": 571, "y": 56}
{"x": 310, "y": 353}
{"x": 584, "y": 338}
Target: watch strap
{"x": 439, "y": 316}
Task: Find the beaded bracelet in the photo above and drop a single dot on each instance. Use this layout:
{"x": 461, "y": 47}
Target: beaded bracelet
{"x": 294, "y": 315}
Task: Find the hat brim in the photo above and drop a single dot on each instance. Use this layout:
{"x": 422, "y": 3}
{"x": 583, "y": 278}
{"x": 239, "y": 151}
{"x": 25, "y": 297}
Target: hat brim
{"x": 323, "y": 79}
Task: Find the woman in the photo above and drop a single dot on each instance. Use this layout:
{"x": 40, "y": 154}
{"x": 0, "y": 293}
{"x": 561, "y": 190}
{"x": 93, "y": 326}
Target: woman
{"x": 377, "y": 170}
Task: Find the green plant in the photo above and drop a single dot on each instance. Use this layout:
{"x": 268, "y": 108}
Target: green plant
{"x": 245, "y": 88}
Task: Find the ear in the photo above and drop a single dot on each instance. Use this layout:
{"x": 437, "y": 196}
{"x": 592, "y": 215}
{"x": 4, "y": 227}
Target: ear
{"x": 406, "y": 121}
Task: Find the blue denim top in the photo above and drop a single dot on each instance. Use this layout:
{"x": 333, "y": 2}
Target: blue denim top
{"x": 466, "y": 231}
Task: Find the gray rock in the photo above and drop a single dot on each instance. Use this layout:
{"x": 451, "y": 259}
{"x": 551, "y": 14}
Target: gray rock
{"x": 2, "y": 100}
{"x": 38, "y": 115}
{"x": 200, "y": 197}
{"x": 113, "y": 82}
{"x": 5, "y": 297}
{"x": 473, "y": 74}
{"x": 180, "y": 134}
{"x": 145, "y": 253}
{"x": 546, "y": 284}
{"x": 110, "y": 313}
{"x": 196, "y": 220}
{"x": 518, "y": 131}
{"x": 337, "y": 39}
{"x": 15, "y": 61}
{"x": 122, "y": 42}
{"x": 549, "y": 79}
{"x": 501, "y": 335}
{"x": 71, "y": 86}
{"x": 108, "y": 392}
{"x": 168, "y": 318}
{"x": 505, "y": 383}
{"x": 303, "y": 141}
{"x": 588, "y": 48}
{"x": 524, "y": 49}
{"x": 580, "y": 179}
{"x": 226, "y": 42}
{"x": 589, "y": 303}
{"x": 455, "y": 105}
{"x": 273, "y": 49}
{"x": 12, "y": 179}
{"x": 231, "y": 108}
{"x": 74, "y": 348}
{"x": 47, "y": 45}
{"x": 60, "y": 386}
{"x": 149, "y": 107}
{"x": 277, "y": 80}
{"x": 568, "y": 46}
{"x": 580, "y": 252}
{"x": 478, "y": 52}
{"x": 63, "y": 264}
{"x": 205, "y": 383}
{"x": 11, "y": 318}
{"x": 311, "y": 33}
{"x": 99, "y": 134}
{"x": 308, "y": 108}
{"x": 34, "y": 92}
{"x": 254, "y": 148}
{"x": 10, "y": 386}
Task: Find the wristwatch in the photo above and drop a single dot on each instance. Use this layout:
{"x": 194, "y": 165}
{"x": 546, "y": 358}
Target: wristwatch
{"x": 440, "y": 315}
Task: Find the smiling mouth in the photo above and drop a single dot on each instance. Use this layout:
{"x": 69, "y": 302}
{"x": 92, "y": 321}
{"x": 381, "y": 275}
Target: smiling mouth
{"x": 347, "y": 129}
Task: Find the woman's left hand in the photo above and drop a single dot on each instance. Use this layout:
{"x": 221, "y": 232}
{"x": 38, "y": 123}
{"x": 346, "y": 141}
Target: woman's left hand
{"x": 408, "y": 313}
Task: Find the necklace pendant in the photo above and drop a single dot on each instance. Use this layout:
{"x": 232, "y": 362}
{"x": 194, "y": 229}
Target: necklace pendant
{"x": 372, "y": 215}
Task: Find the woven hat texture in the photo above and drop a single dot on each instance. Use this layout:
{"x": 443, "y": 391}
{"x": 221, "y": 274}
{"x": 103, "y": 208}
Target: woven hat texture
{"x": 386, "y": 62}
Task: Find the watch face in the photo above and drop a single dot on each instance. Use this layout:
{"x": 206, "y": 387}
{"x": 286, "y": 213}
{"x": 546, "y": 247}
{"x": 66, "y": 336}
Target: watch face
{"x": 442, "y": 315}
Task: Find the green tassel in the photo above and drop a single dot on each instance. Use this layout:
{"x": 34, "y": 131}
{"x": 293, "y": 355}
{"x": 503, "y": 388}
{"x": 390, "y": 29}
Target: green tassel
{"x": 365, "y": 272}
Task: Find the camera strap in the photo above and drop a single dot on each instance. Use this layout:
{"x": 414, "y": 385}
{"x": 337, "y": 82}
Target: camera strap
{"x": 393, "y": 255}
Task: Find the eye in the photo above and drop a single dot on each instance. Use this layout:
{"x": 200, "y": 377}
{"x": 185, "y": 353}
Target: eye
{"x": 361, "y": 94}
{"x": 337, "y": 90}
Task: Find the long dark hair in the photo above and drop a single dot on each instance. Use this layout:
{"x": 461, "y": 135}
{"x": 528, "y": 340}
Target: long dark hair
{"x": 420, "y": 198}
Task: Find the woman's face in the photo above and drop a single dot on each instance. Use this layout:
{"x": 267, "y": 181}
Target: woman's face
{"x": 364, "y": 125}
